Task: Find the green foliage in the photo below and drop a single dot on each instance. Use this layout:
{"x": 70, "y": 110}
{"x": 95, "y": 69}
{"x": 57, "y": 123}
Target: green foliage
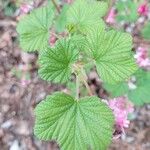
{"x": 61, "y": 19}
{"x": 112, "y": 53}
{"x": 76, "y": 125}
{"x": 84, "y": 14}
{"x": 107, "y": 1}
{"x": 79, "y": 41}
{"x": 34, "y": 29}
{"x": 127, "y": 11}
{"x": 116, "y": 90}
{"x": 146, "y": 31}
{"x": 9, "y": 7}
{"x": 56, "y": 63}
{"x": 139, "y": 95}
{"x": 84, "y": 123}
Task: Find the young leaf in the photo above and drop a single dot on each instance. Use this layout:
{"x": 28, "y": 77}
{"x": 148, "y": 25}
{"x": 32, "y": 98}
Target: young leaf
{"x": 33, "y": 29}
{"x": 83, "y": 14}
{"x": 112, "y": 53}
{"x": 56, "y": 63}
{"x": 75, "y": 125}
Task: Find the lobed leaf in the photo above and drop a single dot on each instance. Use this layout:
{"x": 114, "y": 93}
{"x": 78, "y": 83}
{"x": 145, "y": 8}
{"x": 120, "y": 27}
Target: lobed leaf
{"x": 76, "y": 125}
{"x": 56, "y": 63}
{"x": 33, "y": 29}
{"x": 112, "y": 54}
{"x": 83, "y": 14}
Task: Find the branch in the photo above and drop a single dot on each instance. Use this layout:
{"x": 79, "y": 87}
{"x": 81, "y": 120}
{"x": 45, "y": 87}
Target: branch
{"x": 56, "y": 6}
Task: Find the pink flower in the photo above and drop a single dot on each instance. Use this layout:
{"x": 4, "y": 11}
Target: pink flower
{"x": 143, "y": 9}
{"x": 121, "y": 108}
{"x": 111, "y": 16}
{"x": 25, "y": 82}
{"x": 142, "y": 57}
{"x": 25, "y": 8}
{"x": 68, "y": 1}
{"x": 52, "y": 39}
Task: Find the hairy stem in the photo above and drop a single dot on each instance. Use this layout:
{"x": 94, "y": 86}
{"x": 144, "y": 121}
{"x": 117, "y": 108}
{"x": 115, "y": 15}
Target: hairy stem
{"x": 77, "y": 87}
{"x": 87, "y": 87}
{"x": 56, "y": 6}
{"x": 84, "y": 79}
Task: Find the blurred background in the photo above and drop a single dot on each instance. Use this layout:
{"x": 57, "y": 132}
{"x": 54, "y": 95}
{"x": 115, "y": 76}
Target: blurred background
{"x": 21, "y": 88}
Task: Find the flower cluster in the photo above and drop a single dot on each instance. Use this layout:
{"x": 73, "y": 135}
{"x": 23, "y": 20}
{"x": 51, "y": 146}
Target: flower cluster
{"x": 121, "y": 108}
{"x": 143, "y": 9}
{"x": 142, "y": 57}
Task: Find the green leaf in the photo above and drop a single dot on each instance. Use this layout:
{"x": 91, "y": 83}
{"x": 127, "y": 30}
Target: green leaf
{"x": 71, "y": 86}
{"x": 141, "y": 94}
{"x": 117, "y": 90}
{"x": 33, "y": 29}
{"x": 107, "y": 1}
{"x": 8, "y": 7}
{"x": 75, "y": 125}
{"x": 146, "y": 31}
{"x": 112, "y": 53}
{"x": 62, "y": 20}
{"x": 127, "y": 11}
{"x": 56, "y": 63}
{"x": 83, "y": 14}
{"x": 79, "y": 41}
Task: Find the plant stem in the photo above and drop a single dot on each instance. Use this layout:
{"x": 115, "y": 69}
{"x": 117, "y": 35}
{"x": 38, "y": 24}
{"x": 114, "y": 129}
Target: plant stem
{"x": 87, "y": 87}
{"x": 84, "y": 79}
{"x": 81, "y": 76}
{"x": 56, "y": 6}
{"x": 77, "y": 87}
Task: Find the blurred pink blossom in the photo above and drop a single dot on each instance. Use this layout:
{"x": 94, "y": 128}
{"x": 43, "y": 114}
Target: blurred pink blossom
{"x": 111, "y": 16}
{"x": 121, "y": 108}
{"x": 25, "y": 8}
{"x": 25, "y": 82}
{"x": 68, "y": 1}
{"x": 142, "y": 57}
{"x": 143, "y": 9}
{"x": 52, "y": 39}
